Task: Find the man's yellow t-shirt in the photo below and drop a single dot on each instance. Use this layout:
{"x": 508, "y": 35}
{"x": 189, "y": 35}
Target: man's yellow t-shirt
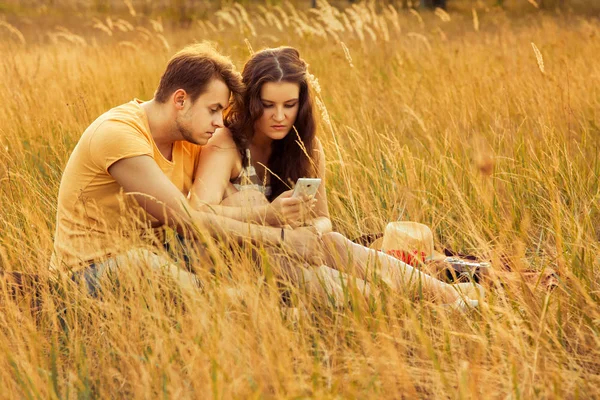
{"x": 93, "y": 215}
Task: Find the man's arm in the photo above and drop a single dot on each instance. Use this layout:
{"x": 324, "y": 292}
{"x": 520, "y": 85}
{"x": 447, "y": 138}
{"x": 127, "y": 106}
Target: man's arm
{"x": 141, "y": 177}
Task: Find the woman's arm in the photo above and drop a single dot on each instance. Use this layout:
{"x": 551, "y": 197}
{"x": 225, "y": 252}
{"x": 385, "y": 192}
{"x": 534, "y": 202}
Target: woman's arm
{"x": 219, "y": 162}
{"x": 321, "y": 221}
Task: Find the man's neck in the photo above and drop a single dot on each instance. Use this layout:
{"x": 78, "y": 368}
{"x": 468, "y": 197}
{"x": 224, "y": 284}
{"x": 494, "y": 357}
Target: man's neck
{"x": 161, "y": 126}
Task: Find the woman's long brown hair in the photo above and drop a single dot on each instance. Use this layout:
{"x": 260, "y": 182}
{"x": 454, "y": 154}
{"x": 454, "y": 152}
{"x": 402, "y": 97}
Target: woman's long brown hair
{"x": 288, "y": 160}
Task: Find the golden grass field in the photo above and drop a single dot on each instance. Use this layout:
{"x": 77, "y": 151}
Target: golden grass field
{"x": 481, "y": 124}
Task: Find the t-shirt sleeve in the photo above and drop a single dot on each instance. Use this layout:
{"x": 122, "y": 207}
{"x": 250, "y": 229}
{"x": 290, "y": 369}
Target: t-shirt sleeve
{"x": 113, "y": 141}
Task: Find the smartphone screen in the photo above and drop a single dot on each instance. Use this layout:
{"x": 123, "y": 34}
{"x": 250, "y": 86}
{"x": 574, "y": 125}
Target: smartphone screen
{"x": 306, "y": 187}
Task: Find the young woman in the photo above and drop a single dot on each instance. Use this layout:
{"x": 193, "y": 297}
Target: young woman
{"x": 270, "y": 143}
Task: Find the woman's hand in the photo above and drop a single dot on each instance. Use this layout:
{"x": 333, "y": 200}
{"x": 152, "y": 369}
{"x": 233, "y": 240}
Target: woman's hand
{"x": 307, "y": 245}
{"x": 288, "y": 210}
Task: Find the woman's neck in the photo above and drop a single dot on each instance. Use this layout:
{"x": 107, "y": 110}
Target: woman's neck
{"x": 262, "y": 144}
{"x": 261, "y": 141}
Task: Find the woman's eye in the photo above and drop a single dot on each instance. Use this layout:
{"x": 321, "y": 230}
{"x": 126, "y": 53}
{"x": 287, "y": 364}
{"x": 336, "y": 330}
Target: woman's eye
{"x": 267, "y": 105}
{"x": 213, "y": 110}
{"x": 290, "y": 105}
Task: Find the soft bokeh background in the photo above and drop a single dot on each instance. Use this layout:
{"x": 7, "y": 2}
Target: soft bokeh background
{"x": 481, "y": 122}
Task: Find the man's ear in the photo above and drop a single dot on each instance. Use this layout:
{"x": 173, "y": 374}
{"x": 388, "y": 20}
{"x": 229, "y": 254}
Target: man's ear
{"x": 179, "y": 98}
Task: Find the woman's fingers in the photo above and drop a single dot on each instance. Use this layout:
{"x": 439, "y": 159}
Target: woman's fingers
{"x": 297, "y": 209}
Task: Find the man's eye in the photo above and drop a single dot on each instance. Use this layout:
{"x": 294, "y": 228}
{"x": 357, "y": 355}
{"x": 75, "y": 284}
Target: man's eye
{"x": 214, "y": 110}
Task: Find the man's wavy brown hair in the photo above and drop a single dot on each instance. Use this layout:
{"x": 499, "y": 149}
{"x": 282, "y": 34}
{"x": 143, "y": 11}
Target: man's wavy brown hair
{"x": 193, "y": 68}
{"x": 289, "y": 160}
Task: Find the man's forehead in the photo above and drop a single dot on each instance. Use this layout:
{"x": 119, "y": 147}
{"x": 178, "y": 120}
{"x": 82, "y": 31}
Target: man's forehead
{"x": 217, "y": 92}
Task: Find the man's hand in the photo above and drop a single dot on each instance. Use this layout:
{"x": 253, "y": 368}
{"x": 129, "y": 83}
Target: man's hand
{"x": 288, "y": 210}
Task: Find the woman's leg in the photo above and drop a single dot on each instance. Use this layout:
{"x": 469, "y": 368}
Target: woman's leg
{"x": 322, "y": 283}
{"x": 315, "y": 279}
{"x": 342, "y": 253}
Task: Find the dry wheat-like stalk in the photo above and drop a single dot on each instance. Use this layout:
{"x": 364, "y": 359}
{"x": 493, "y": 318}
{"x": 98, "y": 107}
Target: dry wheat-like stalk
{"x": 124, "y": 26}
{"x": 347, "y": 54}
{"x": 413, "y": 114}
{"x": 285, "y": 19}
{"x": 534, "y": 3}
{"x": 384, "y": 29}
{"x": 164, "y": 41}
{"x": 416, "y": 14}
{"x": 260, "y": 20}
{"x": 249, "y": 46}
{"x": 272, "y": 20}
{"x": 443, "y": 36}
{"x": 211, "y": 26}
{"x": 332, "y": 33}
{"x": 475, "y": 20}
{"x": 347, "y": 23}
{"x": 392, "y": 15}
{"x": 314, "y": 83}
{"x": 539, "y": 58}
{"x": 442, "y": 14}
{"x": 421, "y": 37}
{"x": 101, "y": 26}
{"x": 371, "y": 33}
{"x": 226, "y": 16}
{"x": 66, "y": 34}
{"x": 128, "y": 44}
{"x": 157, "y": 25}
{"x": 71, "y": 38}
{"x": 144, "y": 32}
{"x": 14, "y": 31}
{"x": 130, "y": 7}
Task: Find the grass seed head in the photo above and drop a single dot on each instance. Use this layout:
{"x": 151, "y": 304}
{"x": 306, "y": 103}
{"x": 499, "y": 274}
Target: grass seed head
{"x": 539, "y": 58}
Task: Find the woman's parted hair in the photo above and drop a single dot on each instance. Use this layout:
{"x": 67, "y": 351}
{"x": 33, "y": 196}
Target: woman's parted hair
{"x": 193, "y": 68}
{"x": 289, "y": 160}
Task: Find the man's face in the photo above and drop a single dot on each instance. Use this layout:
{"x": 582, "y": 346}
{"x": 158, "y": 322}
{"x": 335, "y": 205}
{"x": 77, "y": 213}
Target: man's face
{"x": 198, "y": 121}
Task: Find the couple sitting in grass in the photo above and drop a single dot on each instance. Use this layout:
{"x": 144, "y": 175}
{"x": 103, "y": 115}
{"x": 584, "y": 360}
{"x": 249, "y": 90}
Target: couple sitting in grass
{"x": 175, "y": 161}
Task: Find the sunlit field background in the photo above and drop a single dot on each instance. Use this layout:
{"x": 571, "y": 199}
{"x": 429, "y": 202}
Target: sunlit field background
{"x": 481, "y": 122}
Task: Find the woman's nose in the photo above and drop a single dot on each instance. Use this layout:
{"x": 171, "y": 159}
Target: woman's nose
{"x": 279, "y": 115}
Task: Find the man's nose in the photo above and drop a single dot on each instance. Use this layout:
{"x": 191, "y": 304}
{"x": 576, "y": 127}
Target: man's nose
{"x": 218, "y": 122}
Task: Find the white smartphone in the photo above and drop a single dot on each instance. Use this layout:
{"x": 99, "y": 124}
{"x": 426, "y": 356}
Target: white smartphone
{"x": 306, "y": 187}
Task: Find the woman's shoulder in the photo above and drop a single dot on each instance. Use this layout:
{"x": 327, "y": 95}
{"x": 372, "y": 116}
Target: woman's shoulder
{"x": 317, "y": 145}
{"x": 223, "y": 139}
{"x": 318, "y": 151}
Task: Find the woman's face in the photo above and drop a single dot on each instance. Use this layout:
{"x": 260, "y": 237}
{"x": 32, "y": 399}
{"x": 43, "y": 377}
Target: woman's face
{"x": 280, "y": 102}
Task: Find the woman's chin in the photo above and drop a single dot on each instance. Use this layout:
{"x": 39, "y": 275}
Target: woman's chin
{"x": 278, "y": 135}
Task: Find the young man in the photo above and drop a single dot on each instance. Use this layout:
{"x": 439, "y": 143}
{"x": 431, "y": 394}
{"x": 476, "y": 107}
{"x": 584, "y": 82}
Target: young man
{"x": 132, "y": 170}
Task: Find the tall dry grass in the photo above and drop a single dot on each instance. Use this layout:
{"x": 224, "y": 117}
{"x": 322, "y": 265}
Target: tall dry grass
{"x": 457, "y": 121}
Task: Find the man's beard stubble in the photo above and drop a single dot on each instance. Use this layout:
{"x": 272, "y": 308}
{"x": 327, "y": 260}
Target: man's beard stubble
{"x": 184, "y": 131}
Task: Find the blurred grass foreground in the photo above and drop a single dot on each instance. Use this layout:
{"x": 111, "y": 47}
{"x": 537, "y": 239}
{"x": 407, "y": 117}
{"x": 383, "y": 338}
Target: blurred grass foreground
{"x": 479, "y": 121}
